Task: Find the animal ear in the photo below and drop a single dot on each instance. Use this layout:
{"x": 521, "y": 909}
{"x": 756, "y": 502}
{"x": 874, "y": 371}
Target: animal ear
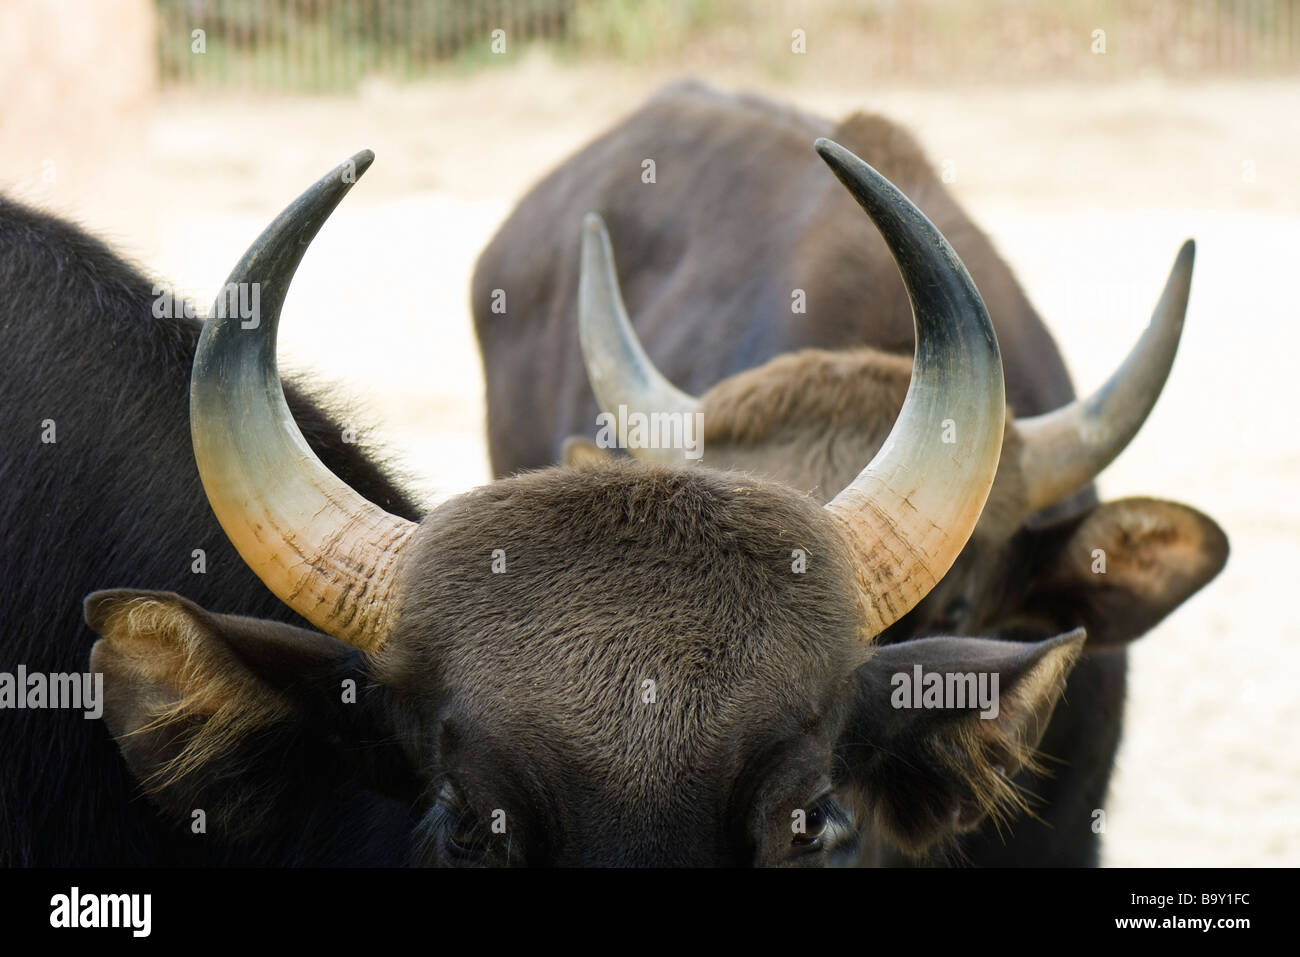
{"x": 579, "y": 452}
{"x": 1124, "y": 566}
{"x": 250, "y": 721}
{"x": 942, "y": 725}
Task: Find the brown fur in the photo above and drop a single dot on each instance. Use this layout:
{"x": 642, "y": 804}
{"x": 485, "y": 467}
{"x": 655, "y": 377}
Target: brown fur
{"x": 522, "y": 692}
{"x": 814, "y": 418}
{"x": 615, "y": 575}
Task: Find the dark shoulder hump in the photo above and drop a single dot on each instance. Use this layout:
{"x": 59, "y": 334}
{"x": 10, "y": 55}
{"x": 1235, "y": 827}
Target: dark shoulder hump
{"x": 891, "y": 149}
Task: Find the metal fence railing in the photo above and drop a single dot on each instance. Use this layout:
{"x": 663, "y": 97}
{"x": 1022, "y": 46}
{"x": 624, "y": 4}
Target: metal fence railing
{"x": 332, "y": 44}
{"x": 324, "y": 45}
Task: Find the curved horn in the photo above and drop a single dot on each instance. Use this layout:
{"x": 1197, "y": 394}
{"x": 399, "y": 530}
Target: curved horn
{"x": 908, "y": 514}
{"x": 324, "y": 551}
{"x": 620, "y": 372}
{"x": 1066, "y": 449}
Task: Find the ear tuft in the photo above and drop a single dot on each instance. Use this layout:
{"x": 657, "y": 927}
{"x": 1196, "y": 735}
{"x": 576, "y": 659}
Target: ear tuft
{"x": 175, "y": 695}
{"x": 930, "y": 770}
{"x": 245, "y": 718}
{"x": 990, "y": 753}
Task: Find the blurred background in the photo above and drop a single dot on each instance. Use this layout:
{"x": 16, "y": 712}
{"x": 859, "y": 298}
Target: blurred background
{"x": 1088, "y": 138}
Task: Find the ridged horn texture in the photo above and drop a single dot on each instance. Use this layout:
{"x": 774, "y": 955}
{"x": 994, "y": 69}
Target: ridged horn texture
{"x": 620, "y": 372}
{"x": 325, "y": 551}
{"x": 1066, "y": 449}
{"x": 908, "y": 514}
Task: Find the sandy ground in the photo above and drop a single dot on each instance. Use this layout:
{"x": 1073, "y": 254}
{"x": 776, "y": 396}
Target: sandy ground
{"x": 1087, "y": 191}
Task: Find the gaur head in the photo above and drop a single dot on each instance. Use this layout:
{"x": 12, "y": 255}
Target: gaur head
{"x": 1044, "y": 556}
{"x": 622, "y": 664}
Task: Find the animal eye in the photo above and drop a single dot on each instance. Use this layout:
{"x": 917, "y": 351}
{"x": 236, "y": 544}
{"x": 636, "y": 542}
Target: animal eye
{"x": 463, "y": 838}
{"x": 815, "y": 820}
{"x": 460, "y": 829}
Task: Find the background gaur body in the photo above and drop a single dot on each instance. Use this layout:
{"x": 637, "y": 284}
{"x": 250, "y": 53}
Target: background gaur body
{"x": 710, "y": 255}
{"x": 741, "y": 214}
{"x": 117, "y": 500}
